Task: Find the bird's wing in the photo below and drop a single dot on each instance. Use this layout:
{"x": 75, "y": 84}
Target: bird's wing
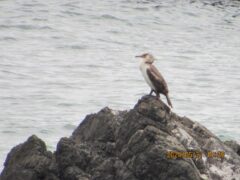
{"x": 157, "y": 79}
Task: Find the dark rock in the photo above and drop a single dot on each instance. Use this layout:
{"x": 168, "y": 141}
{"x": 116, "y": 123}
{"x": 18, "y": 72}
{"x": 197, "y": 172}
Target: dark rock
{"x": 97, "y": 127}
{"x": 145, "y": 143}
{"x": 30, "y": 160}
{"x": 234, "y": 146}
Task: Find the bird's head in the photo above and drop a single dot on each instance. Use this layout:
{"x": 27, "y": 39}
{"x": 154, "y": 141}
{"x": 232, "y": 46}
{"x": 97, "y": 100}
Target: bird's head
{"x": 147, "y": 58}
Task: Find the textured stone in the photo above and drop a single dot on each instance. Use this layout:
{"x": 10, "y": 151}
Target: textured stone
{"x": 128, "y": 145}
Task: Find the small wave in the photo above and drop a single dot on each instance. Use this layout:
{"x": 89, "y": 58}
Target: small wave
{"x": 66, "y": 104}
{"x": 222, "y": 4}
{"x": 72, "y": 13}
{"x": 216, "y": 3}
{"x": 72, "y": 5}
{"x": 2, "y": 26}
{"x": 114, "y": 32}
{"x": 193, "y": 29}
{"x": 43, "y": 10}
{"x": 56, "y": 37}
{"x": 39, "y": 19}
{"x": 33, "y": 5}
{"x": 162, "y": 5}
{"x": 77, "y": 47}
{"x": 28, "y": 5}
{"x": 141, "y": 8}
{"x": 191, "y": 52}
{"x": 191, "y": 14}
{"x": 182, "y": 57}
{"x": 17, "y": 74}
{"x": 236, "y": 15}
{"x": 110, "y": 41}
{"x": 145, "y": 1}
{"x": 27, "y": 10}
{"x": 45, "y": 131}
{"x": 45, "y": 27}
{"x": 7, "y": 38}
{"x": 96, "y": 66}
{"x": 69, "y": 126}
{"x": 107, "y": 16}
{"x": 24, "y": 27}
{"x": 8, "y": 132}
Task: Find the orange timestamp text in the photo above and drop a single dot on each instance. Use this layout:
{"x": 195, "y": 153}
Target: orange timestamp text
{"x": 195, "y": 154}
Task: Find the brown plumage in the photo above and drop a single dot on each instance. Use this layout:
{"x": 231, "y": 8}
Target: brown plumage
{"x": 158, "y": 82}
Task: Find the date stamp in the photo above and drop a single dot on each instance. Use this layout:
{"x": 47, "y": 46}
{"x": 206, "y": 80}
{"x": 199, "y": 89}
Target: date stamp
{"x": 195, "y": 154}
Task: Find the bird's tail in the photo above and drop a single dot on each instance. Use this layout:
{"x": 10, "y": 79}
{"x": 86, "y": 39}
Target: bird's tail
{"x": 169, "y": 101}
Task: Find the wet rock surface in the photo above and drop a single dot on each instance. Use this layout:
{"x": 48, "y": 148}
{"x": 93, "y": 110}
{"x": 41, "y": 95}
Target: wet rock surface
{"x": 148, "y": 142}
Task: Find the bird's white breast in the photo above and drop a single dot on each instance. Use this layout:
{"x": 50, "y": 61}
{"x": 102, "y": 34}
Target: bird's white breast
{"x": 143, "y": 68}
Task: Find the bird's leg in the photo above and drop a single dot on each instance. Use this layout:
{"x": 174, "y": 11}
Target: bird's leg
{"x": 158, "y": 96}
{"x": 151, "y": 92}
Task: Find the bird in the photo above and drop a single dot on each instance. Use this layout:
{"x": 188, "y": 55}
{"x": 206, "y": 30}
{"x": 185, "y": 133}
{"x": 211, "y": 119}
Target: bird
{"x": 153, "y": 77}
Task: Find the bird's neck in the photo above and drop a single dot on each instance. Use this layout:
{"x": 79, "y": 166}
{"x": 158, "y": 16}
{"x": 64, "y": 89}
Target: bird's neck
{"x": 144, "y": 65}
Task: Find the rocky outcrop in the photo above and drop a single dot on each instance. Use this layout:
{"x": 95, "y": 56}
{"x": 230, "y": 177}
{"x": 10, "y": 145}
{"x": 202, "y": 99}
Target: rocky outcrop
{"x": 30, "y": 160}
{"x": 147, "y": 142}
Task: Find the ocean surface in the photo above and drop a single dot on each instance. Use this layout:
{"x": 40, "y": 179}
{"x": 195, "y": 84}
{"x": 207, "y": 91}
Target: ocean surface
{"x": 61, "y": 60}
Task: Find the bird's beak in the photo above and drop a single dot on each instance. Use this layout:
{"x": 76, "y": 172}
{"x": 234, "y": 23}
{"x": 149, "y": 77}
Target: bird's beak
{"x": 138, "y": 56}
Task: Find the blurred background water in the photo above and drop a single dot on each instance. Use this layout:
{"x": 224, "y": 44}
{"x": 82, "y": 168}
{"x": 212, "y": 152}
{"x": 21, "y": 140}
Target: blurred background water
{"x": 61, "y": 60}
